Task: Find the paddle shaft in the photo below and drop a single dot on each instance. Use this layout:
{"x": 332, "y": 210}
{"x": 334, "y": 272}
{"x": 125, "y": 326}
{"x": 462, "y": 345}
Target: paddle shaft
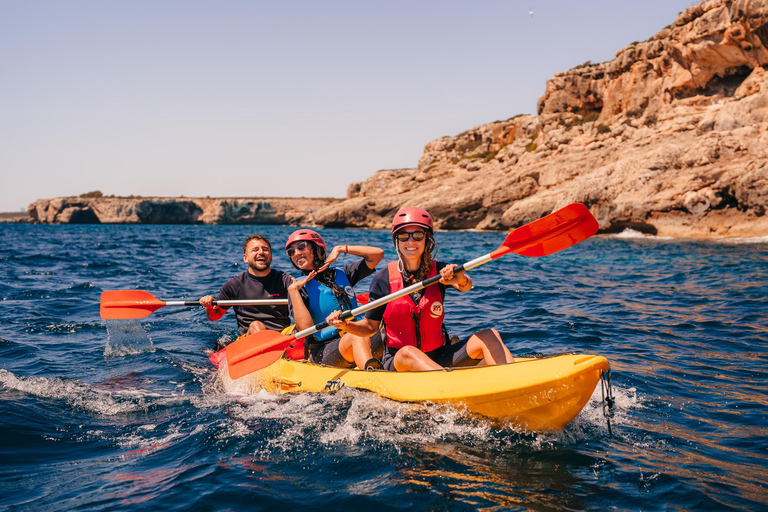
{"x": 393, "y": 296}
{"x": 227, "y": 303}
{"x": 510, "y": 245}
{"x": 260, "y": 302}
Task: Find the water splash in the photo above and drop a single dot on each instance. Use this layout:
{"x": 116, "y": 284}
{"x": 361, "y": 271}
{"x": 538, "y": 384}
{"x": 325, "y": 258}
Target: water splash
{"x": 126, "y": 338}
{"x": 81, "y": 396}
{"x": 630, "y": 233}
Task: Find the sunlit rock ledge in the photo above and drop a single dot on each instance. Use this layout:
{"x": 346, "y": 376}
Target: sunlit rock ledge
{"x": 174, "y": 210}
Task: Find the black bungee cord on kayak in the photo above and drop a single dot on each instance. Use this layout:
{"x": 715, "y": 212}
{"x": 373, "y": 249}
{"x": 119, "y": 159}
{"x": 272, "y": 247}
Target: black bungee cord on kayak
{"x": 608, "y": 400}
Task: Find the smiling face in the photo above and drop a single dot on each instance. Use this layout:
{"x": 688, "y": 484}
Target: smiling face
{"x": 302, "y": 255}
{"x": 411, "y": 249}
{"x": 258, "y": 256}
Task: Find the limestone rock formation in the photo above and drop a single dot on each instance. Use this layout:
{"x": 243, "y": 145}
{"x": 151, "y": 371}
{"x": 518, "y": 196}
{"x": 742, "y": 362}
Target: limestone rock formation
{"x": 164, "y": 210}
{"x": 669, "y": 138}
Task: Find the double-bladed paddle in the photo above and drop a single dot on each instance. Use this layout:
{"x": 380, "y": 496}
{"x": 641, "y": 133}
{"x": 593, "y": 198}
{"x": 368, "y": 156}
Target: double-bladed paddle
{"x": 547, "y": 235}
{"x": 129, "y": 304}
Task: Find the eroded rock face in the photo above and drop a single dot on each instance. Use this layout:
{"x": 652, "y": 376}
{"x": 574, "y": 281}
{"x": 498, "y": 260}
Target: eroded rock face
{"x": 669, "y": 138}
{"x": 164, "y": 210}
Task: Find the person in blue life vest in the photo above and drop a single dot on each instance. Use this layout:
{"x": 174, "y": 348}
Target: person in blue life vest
{"x": 259, "y": 282}
{"x": 414, "y": 335}
{"x": 324, "y": 289}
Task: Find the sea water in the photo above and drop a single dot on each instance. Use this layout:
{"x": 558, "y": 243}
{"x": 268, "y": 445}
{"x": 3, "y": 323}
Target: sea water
{"x": 128, "y": 414}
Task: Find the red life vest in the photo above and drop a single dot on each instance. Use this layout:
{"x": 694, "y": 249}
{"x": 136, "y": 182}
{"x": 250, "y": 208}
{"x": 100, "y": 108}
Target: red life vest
{"x": 419, "y": 325}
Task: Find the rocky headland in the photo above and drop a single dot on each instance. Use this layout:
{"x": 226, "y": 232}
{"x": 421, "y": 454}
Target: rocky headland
{"x": 179, "y": 210}
{"x": 669, "y": 138}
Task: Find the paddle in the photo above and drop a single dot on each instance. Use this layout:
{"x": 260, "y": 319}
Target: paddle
{"x": 548, "y": 235}
{"x": 129, "y": 304}
{"x": 216, "y": 357}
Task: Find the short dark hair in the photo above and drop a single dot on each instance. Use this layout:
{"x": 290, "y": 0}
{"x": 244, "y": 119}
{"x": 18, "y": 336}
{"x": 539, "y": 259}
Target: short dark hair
{"x": 256, "y": 236}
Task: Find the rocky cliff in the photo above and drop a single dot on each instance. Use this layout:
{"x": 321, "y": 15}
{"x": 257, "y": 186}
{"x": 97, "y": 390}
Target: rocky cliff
{"x": 164, "y": 210}
{"x": 669, "y": 138}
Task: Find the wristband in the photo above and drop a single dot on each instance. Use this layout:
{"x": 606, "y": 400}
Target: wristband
{"x": 346, "y": 249}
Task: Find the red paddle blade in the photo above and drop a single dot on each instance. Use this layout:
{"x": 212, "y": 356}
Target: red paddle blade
{"x": 362, "y": 298}
{"x": 244, "y": 354}
{"x": 128, "y": 304}
{"x": 548, "y": 235}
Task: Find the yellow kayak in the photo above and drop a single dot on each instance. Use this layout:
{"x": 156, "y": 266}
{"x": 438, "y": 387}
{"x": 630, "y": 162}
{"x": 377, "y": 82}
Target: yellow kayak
{"x": 537, "y": 394}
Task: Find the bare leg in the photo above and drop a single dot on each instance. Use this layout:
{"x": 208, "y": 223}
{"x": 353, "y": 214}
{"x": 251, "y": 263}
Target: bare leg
{"x": 356, "y": 349}
{"x": 411, "y": 359}
{"x": 255, "y": 327}
{"x": 487, "y": 344}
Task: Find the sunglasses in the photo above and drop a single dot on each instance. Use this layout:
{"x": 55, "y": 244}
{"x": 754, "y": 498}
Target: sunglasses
{"x": 298, "y": 246}
{"x": 418, "y": 236}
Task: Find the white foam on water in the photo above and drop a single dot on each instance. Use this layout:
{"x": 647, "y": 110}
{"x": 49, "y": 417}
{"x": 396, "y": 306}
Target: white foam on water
{"x": 632, "y": 233}
{"x": 629, "y": 233}
{"x": 593, "y": 416}
{"x": 743, "y": 240}
{"x": 351, "y": 418}
{"x": 78, "y": 395}
{"x": 125, "y": 338}
{"x": 383, "y": 421}
{"x": 149, "y": 437}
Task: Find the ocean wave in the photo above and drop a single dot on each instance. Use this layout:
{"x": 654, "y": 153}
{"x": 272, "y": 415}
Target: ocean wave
{"x": 630, "y": 233}
{"x": 81, "y": 396}
{"x": 743, "y": 240}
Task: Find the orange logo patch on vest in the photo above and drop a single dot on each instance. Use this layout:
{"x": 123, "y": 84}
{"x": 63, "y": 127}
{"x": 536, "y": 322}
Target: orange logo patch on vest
{"x": 436, "y": 310}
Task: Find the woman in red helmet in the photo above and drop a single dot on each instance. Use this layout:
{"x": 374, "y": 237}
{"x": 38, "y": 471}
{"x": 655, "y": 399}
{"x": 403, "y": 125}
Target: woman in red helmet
{"x": 416, "y": 338}
{"x": 325, "y": 289}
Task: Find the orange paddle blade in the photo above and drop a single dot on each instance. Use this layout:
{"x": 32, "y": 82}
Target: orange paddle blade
{"x": 255, "y": 363}
{"x": 244, "y": 355}
{"x": 550, "y": 234}
{"x": 362, "y": 298}
{"x": 128, "y": 304}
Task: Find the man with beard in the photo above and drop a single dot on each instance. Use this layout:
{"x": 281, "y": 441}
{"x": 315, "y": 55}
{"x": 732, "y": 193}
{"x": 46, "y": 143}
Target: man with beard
{"x": 259, "y": 282}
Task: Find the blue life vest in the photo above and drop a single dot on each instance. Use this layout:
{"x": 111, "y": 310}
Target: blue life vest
{"x": 322, "y": 302}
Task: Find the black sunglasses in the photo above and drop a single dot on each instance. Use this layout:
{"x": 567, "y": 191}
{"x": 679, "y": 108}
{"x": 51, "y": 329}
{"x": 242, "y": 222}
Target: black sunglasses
{"x": 418, "y": 236}
{"x": 298, "y": 246}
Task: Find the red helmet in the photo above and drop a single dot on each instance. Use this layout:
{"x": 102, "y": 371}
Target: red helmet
{"x": 411, "y": 215}
{"x": 308, "y": 235}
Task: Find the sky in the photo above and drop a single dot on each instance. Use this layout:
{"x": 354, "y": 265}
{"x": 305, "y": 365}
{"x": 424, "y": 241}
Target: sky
{"x": 235, "y": 98}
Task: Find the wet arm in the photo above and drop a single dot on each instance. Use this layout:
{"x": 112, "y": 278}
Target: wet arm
{"x": 301, "y": 315}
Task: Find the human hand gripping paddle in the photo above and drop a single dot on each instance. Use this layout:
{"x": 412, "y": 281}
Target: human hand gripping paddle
{"x": 548, "y": 235}
{"x": 130, "y": 304}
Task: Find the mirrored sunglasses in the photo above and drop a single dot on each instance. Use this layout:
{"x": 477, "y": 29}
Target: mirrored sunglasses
{"x": 418, "y": 236}
{"x": 298, "y": 246}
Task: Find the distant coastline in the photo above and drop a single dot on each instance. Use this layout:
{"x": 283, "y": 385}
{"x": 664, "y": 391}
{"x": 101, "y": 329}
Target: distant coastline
{"x": 94, "y": 208}
{"x": 14, "y": 217}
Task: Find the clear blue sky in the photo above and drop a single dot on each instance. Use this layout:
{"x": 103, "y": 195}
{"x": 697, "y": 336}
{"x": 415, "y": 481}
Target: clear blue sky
{"x": 278, "y": 98}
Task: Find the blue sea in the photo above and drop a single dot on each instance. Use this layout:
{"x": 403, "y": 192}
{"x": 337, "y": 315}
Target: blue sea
{"x": 129, "y": 415}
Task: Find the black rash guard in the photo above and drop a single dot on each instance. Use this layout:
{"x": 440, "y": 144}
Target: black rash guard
{"x": 246, "y": 286}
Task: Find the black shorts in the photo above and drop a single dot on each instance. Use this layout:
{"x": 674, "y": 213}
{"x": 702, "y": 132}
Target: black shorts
{"x": 329, "y": 355}
{"x": 447, "y": 356}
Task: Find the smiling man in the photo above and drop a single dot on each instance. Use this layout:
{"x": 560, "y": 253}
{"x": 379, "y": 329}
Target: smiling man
{"x": 260, "y": 281}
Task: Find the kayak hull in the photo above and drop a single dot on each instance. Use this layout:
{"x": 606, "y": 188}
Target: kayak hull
{"x": 537, "y": 394}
